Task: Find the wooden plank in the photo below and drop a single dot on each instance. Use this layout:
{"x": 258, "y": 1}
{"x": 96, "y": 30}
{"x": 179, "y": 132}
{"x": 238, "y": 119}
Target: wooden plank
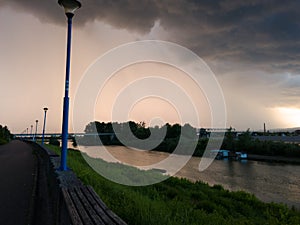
{"x": 86, "y": 208}
{"x": 89, "y": 207}
{"x": 116, "y": 219}
{"x": 100, "y": 211}
{"x": 75, "y": 218}
{"x": 80, "y": 207}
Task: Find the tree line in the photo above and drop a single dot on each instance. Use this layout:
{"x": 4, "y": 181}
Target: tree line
{"x": 247, "y": 143}
{"x": 187, "y": 136}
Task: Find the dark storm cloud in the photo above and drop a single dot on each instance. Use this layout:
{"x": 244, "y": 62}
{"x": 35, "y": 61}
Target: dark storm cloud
{"x": 261, "y": 33}
{"x": 132, "y": 15}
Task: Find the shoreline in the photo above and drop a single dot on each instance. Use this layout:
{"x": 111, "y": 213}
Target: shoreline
{"x": 253, "y": 157}
{"x": 276, "y": 159}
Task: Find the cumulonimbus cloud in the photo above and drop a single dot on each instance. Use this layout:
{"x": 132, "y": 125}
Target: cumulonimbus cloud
{"x": 263, "y": 33}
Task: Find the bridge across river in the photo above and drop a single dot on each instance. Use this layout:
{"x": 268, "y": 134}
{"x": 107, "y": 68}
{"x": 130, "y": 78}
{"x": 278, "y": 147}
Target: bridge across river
{"x": 58, "y": 135}
{"x": 287, "y": 139}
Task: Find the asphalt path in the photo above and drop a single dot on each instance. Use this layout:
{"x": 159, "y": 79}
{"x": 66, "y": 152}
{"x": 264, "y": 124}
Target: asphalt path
{"x": 17, "y": 168}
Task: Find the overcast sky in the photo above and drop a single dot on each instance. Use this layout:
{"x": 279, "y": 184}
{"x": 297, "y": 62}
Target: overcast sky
{"x": 252, "y": 47}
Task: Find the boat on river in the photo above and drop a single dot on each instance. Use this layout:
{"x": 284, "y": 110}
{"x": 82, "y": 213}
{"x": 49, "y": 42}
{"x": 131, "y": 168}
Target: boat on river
{"x": 226, "y": 154}
{"x": 220, "y": 154}
{"x": 241, "y": 155}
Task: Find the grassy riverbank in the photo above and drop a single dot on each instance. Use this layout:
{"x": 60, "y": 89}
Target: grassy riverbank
{"x": 179, "y": 201}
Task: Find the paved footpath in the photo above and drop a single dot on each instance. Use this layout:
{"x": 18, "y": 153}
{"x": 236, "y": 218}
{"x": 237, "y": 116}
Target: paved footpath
{"x": 17, "y": 168}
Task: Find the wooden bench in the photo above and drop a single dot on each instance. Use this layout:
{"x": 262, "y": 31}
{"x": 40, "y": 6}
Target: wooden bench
{"x": 85, "y": 207}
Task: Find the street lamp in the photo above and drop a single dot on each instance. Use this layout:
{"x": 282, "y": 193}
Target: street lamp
{"x": 36, "y": 125}
{"x": 31, "y": 134}
{"x": 44, "y": 126}
{"x": 70, "y": 7}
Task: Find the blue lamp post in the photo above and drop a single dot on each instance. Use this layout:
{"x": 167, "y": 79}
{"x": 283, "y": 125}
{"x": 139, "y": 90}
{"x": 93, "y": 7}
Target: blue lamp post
{"x": 70, "y": 7}
{"x": 44, "y": 126}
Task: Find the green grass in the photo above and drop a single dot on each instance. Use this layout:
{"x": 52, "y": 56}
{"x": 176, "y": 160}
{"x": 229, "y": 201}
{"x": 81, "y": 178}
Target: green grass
{"x": 178, "y": 201}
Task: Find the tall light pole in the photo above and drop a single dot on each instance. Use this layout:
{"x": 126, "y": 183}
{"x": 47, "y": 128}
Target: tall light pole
{"x": 36, "y": 126}
{"x": 70, "y": 7}
{"x": 44, "y": 126}
{"x": 31, "y": 134}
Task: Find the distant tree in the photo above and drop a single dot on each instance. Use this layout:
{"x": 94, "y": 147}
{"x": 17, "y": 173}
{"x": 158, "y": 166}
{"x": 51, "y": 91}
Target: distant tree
{"x": 5, "y": 135}
{"x": 229, "y": 140}
{"x": 97, "y": 127}
{"x": 54, "y": 141}
{"x": 189, "y": 132}
{"x": 133, "y": 126}
{"x": 203, "y": 132}
{"x": 141, "y": 124}
{"x": 104, "y": 127}
{"x": 173, "y": 131}
{"x": 244, "y": 141}
{"x": 139, "y": 129}
{"x": 201, "y": 145}
{"x": 91, "y": 127}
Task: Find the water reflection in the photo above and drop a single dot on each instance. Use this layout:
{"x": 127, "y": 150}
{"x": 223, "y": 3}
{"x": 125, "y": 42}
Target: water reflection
{"x": 270, "y": 182}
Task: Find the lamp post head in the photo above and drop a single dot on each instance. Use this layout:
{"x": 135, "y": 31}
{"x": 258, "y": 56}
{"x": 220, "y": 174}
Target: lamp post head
{"x": 70, "y": 6}
{"x": 45, "y": 109}
{"x": 36, "y": 121}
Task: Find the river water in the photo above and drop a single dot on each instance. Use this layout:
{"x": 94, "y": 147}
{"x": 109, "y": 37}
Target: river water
{"x": 270, "y": 182}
